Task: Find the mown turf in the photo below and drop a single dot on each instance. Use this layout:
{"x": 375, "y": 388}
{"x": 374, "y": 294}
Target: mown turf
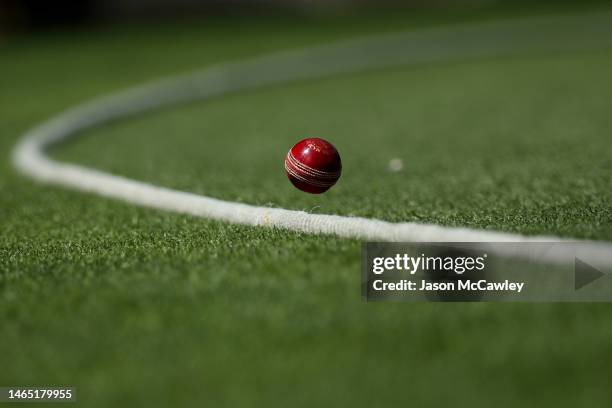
{"x": 140, "y": 307}
{"x": 510, "y": 144}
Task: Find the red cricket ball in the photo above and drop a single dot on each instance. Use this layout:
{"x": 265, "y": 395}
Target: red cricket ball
{"x": 313, "y": 165}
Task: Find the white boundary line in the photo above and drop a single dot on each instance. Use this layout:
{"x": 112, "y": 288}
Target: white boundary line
{"x": 522, "y": 36}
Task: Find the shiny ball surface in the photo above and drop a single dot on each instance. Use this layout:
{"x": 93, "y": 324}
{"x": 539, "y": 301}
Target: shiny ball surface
{"x": 313, "y": 165}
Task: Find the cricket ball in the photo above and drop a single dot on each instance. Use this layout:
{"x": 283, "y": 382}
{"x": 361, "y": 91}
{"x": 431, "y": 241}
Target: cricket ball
{"x": 313, "y": 165}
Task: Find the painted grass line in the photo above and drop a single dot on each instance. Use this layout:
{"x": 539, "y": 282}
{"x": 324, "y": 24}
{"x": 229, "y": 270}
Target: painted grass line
{"x": 518, "y": 37}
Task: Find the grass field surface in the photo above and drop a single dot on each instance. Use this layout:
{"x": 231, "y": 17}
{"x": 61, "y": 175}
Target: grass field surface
{"x": 152, "y": 308}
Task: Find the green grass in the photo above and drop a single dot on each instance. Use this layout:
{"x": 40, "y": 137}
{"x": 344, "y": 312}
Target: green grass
{"x": 141, "y": 307}
{"x": 510, "y": 144}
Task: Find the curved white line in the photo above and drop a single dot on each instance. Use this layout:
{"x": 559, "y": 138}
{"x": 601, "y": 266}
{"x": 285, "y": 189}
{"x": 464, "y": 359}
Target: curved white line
{"x": 424, "y": 46}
